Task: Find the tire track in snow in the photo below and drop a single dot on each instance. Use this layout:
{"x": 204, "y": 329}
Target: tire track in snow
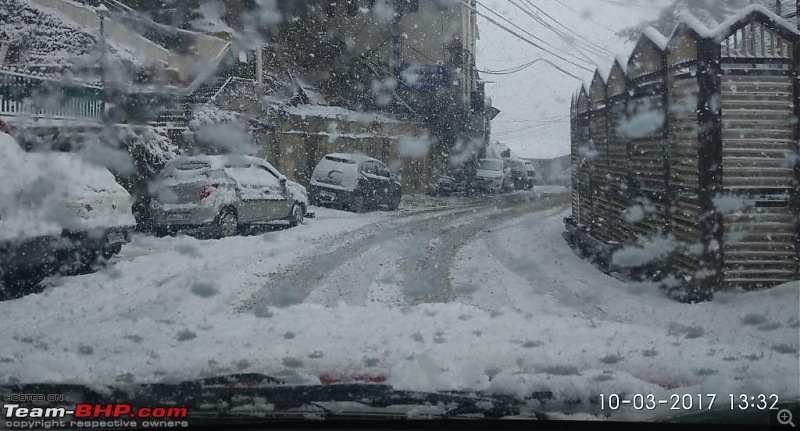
{"x": 293, "y": 284}
{"x": 424, "y": 264}
{"x": 539, "y": 278}
{"x": 428, "y": 278}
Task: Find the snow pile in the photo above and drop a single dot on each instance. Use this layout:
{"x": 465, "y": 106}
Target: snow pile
{"x": 150, "y": 148}
{"x": 211, "y": 115}
{"x": 526, "y": 315}
{"x": 45, "y": 38}
{"x": 652, "y": 250}
{"x": 338, "y": 113}
{"x": 221, "y": 131}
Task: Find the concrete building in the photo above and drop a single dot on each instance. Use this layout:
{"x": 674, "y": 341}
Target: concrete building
{"x": 429, "y": 45}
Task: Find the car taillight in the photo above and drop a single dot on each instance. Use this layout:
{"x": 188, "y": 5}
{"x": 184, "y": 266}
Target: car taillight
{"x": 208, "y": 190}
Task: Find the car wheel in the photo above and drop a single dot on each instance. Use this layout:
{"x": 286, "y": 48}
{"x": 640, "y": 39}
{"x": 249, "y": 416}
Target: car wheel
{"x": 17, "y": 285}
{"x": 85, "y": 262}
{"x": 359, "y": 204}
{"x": 297, "y": 215}
{"x": 394, "y": 202}
{"x": 227, "y": 223}
{"x": 110, "y": 252}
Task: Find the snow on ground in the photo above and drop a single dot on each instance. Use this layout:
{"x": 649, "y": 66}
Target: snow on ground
{"x": 586, "y": 323}
{"x": 530, "y": 315}
{"x": 47, "y": 37}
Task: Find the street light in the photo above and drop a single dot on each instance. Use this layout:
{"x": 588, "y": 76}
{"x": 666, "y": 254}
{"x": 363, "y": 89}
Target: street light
{"x": 103, "y": 13}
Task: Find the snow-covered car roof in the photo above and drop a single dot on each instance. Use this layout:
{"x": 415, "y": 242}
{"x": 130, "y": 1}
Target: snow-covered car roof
{"x": 220, "y": 162}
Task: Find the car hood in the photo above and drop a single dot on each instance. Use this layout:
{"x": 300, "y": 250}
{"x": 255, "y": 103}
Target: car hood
{"x": 244, "y": 396}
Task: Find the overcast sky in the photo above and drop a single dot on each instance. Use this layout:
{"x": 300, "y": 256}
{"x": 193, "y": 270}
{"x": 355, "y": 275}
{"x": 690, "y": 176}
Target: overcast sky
{"x": 535, "y": 102}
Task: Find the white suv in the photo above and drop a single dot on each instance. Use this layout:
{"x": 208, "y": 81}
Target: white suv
{"x": 494, "y": 176}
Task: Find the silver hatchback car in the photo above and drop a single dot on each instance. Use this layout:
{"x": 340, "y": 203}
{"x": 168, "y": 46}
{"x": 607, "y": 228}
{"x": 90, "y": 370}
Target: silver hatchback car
{"x": 224, "y": 193}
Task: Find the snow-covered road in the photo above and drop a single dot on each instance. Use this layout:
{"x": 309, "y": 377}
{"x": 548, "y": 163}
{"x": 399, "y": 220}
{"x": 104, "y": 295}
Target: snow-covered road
{"x": 446, "y": 294}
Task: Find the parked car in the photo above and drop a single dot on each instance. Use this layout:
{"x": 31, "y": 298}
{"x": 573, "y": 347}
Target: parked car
{"x": 355, "y": 182}
{"x": 493, "y": 176}
{"x": 519, "y": 173}
{"x": 448, "y": 185}
{"x": 531, "y": 175}
{"x": 223, "y": 193}
{"x": 57, "y": 211}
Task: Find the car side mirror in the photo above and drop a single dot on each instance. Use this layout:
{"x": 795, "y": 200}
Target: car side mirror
{"x": 283, "y": 181}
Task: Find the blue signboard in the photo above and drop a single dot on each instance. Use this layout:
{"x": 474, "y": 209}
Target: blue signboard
{"x": 423, "y": 78}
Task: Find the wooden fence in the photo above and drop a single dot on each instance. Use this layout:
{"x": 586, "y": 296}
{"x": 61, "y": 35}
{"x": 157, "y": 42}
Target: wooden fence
{"x": 695, "y": 141}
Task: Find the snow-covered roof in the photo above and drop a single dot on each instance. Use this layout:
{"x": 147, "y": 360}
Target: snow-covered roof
{"x": 618, "y": 63}
{"x": 656, "y": 37}
{"x": 719, "y": 32}
{"x": 208, "y": 115}
{"x": 61, "y": 78}
{"x": 622, "y": 63}
{"x": 215, "y": 162}
{"x": 49, "y": 38}
{"x": 602, "y": 72}
{"x": 691, "y": 22}
{"x": 336, "y": 112}
{"x": 598, "y": 77}
{"x": 583, "y": 92}
{"x": 722, "y": 30}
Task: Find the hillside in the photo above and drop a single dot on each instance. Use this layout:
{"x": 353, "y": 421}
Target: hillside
{"x": 36, "y": 37}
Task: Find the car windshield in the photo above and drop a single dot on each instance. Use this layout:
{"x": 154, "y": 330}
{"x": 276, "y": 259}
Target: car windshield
{"x": 491, "y": 165}
{"x": 228, "y": 213}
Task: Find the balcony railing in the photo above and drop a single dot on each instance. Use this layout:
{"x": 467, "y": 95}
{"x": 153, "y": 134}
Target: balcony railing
{"x": 39, "y": 97}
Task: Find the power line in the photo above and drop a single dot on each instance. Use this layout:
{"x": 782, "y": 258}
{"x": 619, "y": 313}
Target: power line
{"x": 573, "y": 40}
{"x": 581, "y": 14}
{"x": 567, "y": 28}
{"x": 514, "y": 132}
{"x": 524, "y": 39}
{"x": 517, "y": 69}
{"x": 537, "y": 38}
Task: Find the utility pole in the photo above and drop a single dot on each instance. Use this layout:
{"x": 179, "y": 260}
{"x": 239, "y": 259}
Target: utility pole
{"x": 103, "y": 13}
{"x": 397, "y": 40}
